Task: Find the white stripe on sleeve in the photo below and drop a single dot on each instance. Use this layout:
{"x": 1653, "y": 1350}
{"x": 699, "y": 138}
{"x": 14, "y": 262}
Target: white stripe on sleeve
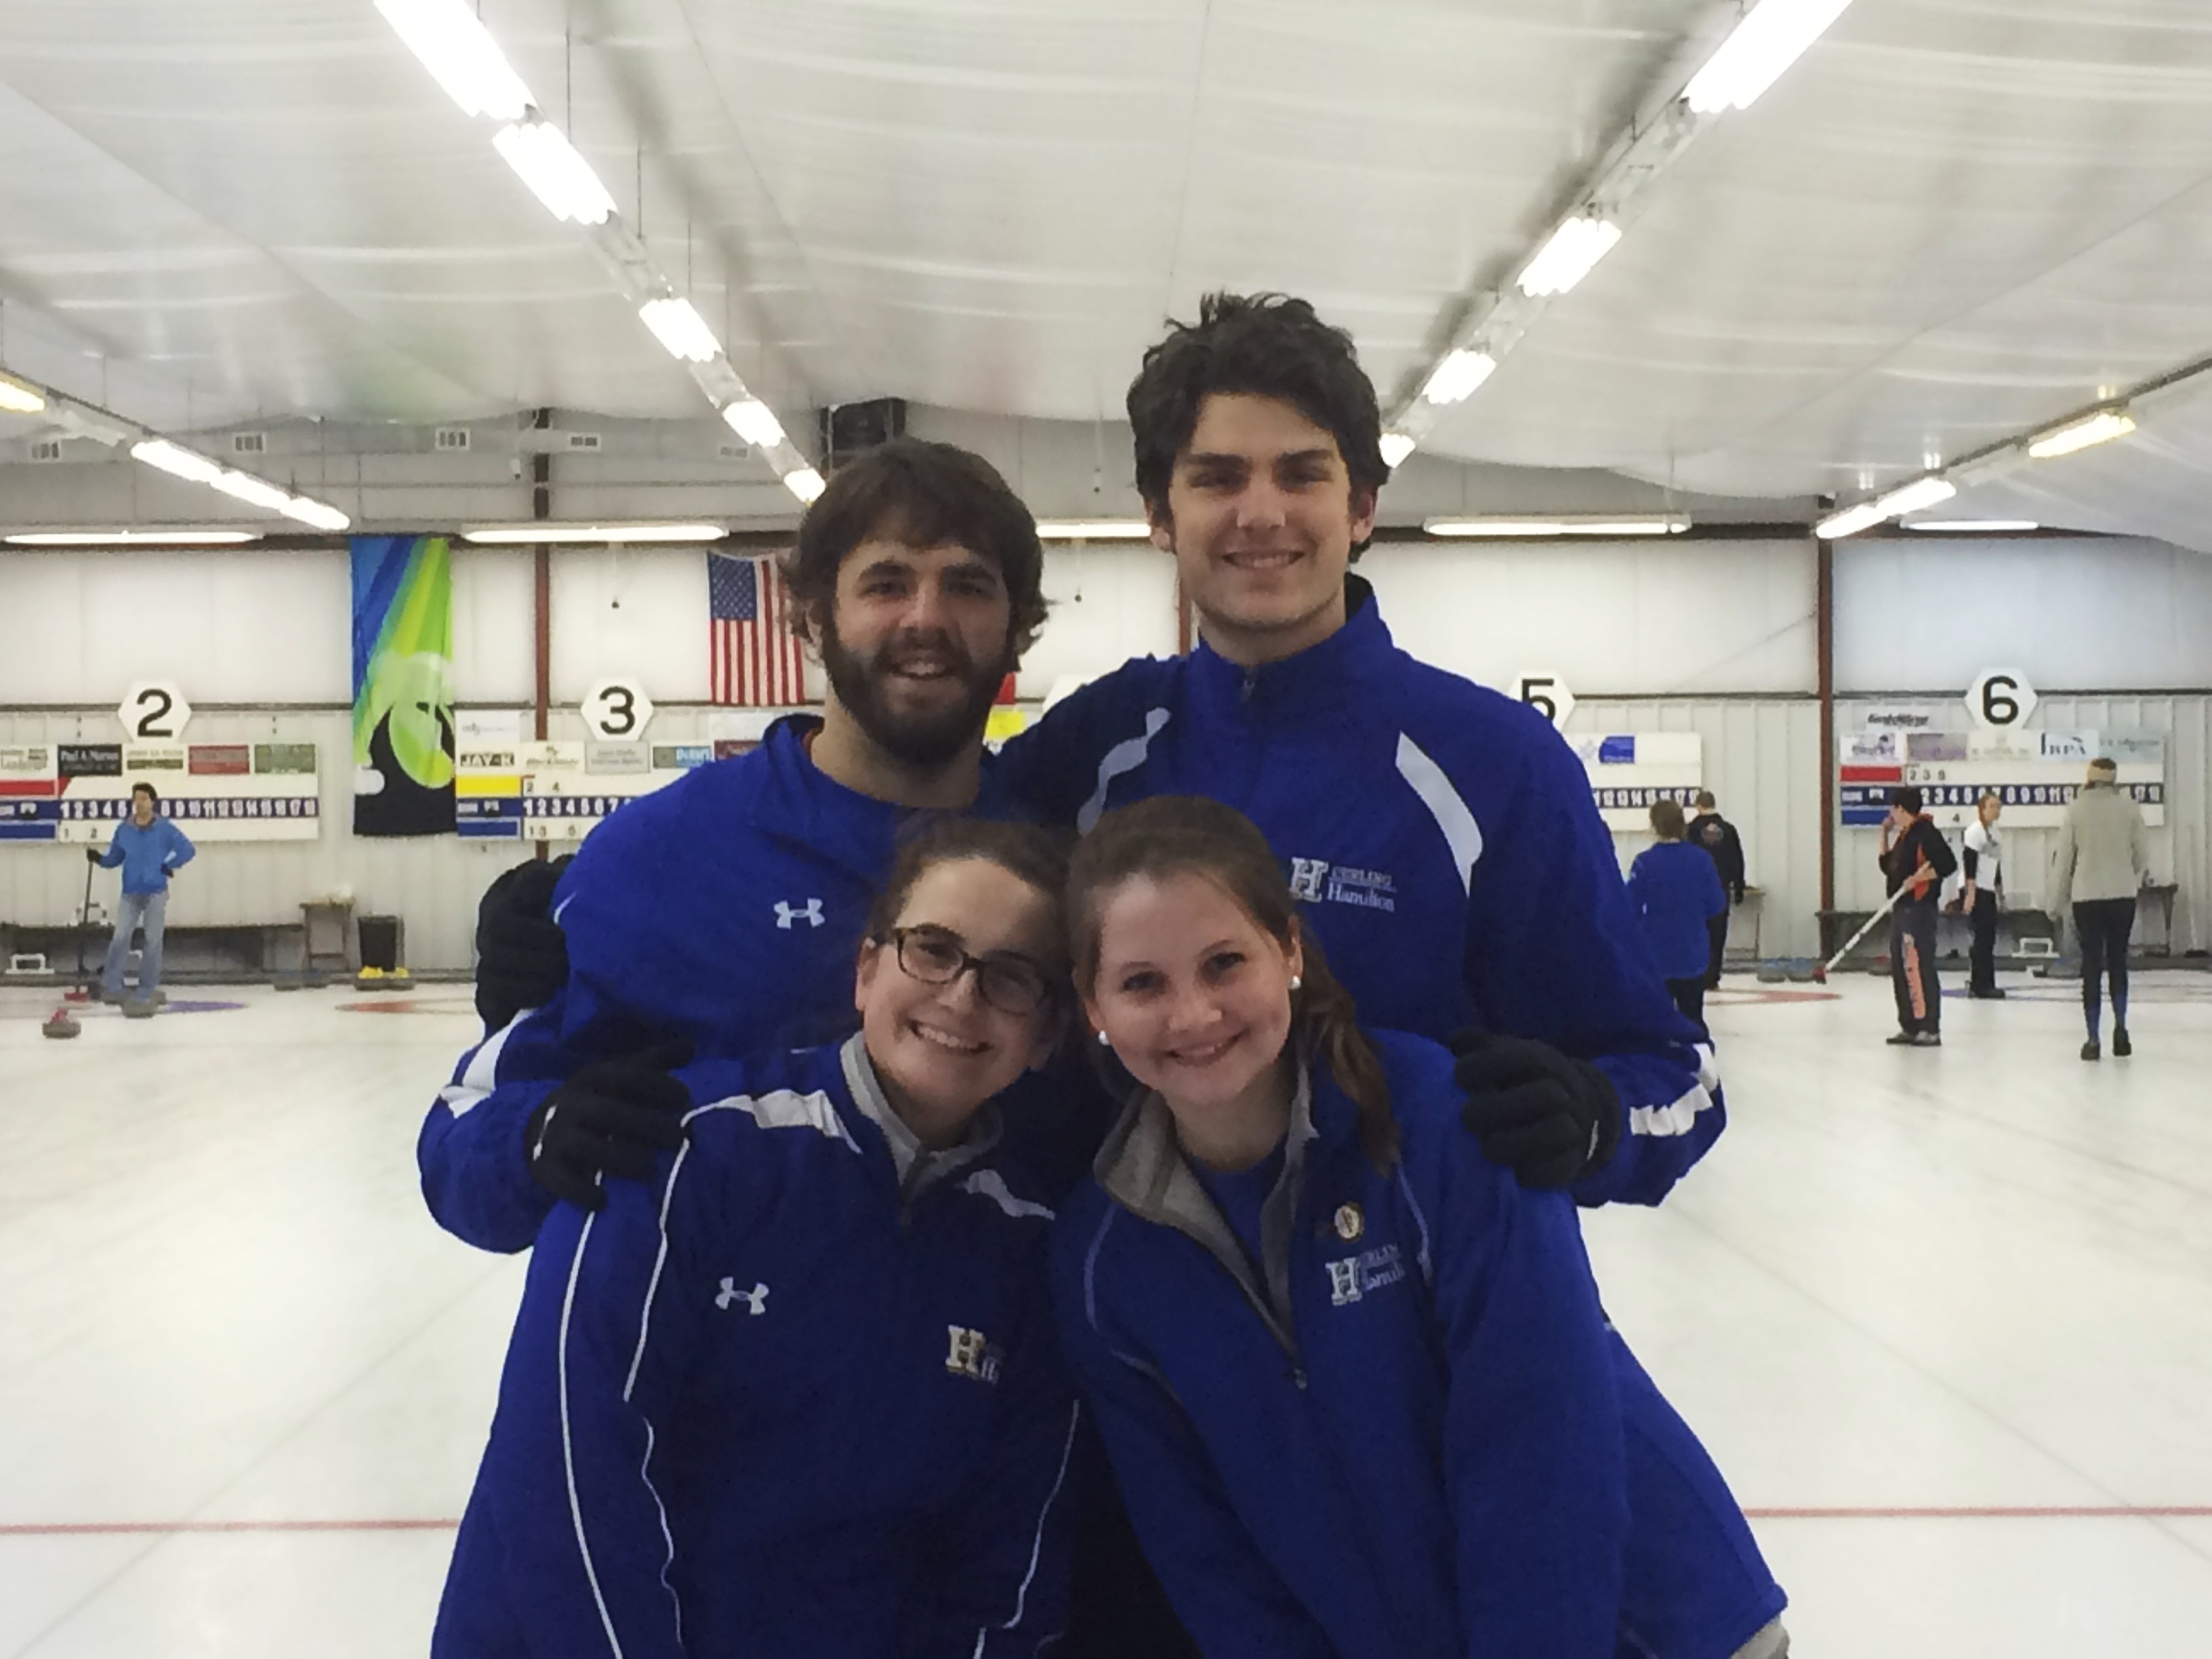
{"x": 1428, "y": 780}
{"x": 1124, "y": 756}
{"x": 481, "y": 1075}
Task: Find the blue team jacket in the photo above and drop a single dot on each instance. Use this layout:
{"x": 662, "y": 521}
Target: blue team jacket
{"x": 1444, "y": 843}
{"x": 1676, "y": 891}
{"x": 147, "y": 855}
{"x": 1407, "y": 1433}
{"x": 727, "y": 907}
{"x": 782, "y": 1400}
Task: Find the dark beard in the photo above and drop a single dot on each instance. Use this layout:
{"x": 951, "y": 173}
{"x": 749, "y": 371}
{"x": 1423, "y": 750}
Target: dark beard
{"x": 928, "y": 740}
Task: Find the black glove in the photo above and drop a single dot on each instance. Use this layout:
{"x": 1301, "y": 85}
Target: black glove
{"x": 1549, "y": 1119}
{"x": 522, "y": 956}
{"x": 610, "y": 1119}
{"x": 92, "y": 855}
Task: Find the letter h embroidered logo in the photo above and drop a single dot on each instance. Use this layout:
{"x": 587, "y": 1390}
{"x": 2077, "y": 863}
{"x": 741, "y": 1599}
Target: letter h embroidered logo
{"x": 1306, "y": 877}
{"x": 971, "y": 1355}
{"x": 1344, "y": 1281}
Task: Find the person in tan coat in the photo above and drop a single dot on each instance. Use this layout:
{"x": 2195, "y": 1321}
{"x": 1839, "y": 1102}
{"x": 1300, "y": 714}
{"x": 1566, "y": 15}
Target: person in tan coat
{"x": 2104, "y": 855}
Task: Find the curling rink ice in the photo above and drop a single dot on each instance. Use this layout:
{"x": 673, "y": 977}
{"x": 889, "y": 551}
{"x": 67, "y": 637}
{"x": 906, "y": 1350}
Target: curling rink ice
{"x": 1945, "y": 1318}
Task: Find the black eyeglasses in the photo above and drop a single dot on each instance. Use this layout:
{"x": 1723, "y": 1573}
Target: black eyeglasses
{"x": 1011, "y": 984}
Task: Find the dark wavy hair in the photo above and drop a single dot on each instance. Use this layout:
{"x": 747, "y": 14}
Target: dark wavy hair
{"x": 1031, "y": 854}
{"x": 925, "y": 495}
{"x": 1270, "y": 345}
{"x": 1188, "y": 835}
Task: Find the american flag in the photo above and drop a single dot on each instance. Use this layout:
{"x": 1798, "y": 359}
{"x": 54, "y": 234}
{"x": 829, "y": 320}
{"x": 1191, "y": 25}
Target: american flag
{"x": 756, "y": 661}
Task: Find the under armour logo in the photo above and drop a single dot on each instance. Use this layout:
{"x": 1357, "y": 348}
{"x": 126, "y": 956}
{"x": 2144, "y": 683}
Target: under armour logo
{"x": 1306, "y": 877}
{"x": 971, "y": 1355}
{"x": 755, "y": 1299}
{"x": 811, "y": 913}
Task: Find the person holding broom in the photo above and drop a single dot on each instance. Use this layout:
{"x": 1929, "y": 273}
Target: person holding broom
{"x": 1916, "y": 860}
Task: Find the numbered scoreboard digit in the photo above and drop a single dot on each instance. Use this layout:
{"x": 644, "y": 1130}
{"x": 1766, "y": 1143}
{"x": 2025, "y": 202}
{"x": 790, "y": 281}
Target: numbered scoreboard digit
{"x": 618, "y": 710}
{"x": 155, "y": 711}
{"x": 1548, "y": 695}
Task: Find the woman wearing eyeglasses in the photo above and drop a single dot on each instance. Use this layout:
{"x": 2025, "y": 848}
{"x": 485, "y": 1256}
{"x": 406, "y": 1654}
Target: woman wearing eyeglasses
{"x": 799, "y": 1394}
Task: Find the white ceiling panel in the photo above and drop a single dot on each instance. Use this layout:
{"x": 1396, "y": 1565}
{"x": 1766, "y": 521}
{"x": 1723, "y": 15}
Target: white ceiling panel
{"x": 1954, "y": 219}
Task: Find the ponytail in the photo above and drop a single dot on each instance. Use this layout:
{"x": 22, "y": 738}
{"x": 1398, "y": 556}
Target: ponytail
{"x": 1325, "y": 1024}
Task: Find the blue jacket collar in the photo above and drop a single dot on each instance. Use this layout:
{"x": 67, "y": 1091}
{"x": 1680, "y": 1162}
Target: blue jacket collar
{"x": 796, "y": 800}
{"x": 1321, "y": 680}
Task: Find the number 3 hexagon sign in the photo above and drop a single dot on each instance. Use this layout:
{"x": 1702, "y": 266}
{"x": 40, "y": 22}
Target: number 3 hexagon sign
{"x": 618, "y": 710}
{"x": 154, "y": 712}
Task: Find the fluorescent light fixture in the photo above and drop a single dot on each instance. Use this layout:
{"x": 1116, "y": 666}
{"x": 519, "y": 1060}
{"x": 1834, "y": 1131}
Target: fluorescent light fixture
{"x": 678, "y": 326}
{"x": 1849, "y": 521}
{"x": 1457, "y": 377}
{"x": 805, "y": 483}
{"x": 1527, "y": 529}
{"x": 179, "y": 462}
{"x": 1775, "y": 35}
{"x": 135, "y": 538}
{"x": 1976, "y": 526}
{"x": 1571, "y": 254}
{"x": 456, "y": 48}
{"x": 1396, "y": 446}
{"x": 1093, "y": 530}
{"x": 1921, "y": 493}
{"x": 755, "y": 422}
{"x": 545, "y": 159}
{"x": 2102, "y": 427}
{"x": 18, "y": 399}
{"x": 240, "y": 486}
{"x": 315, "y": 514}
{"x": 526, "y": 534}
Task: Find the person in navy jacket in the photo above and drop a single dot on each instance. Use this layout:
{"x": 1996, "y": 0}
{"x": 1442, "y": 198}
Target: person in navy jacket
{"x": 1677, "y": 892}
{"x": 1443, "y": 837}
{"x": 1353, "y": 1377}
{"x": 725, "y": 909}
{"x": 799, "y": 1392}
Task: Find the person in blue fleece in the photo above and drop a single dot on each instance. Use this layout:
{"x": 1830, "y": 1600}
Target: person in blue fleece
{"x": 1441, "y": 836}
{"x": 150, "y": 848}
{"x": 1353, "y": 1378}
{"x": 798, "y": 1392}
{"x": 1677, "y": 892}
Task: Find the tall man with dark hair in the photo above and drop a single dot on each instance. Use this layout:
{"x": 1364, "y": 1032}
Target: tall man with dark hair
{"x": 1443, "y": 836}
{"x": 1710, "y": 830}
{"x": 149, "y": 848}
{"x": 1915, "y": 861}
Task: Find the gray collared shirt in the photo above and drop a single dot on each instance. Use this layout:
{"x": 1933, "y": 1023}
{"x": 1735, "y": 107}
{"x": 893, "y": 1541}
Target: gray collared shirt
{"x": 918, "y": 1168}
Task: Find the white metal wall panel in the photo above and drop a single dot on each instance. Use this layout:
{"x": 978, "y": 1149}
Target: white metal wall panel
{"x": 239, "y": 625}
{"x": 1613, "y": 618}
{"x": 1761, "y": 762}
{"x": 1930, "y": 614}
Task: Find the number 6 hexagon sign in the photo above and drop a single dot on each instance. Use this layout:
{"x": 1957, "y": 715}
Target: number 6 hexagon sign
{"x": 2000, "y": 699}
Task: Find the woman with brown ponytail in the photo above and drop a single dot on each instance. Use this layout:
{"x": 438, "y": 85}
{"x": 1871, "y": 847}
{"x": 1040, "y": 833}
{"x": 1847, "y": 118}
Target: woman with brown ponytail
{"x": 1354, "y": 1380}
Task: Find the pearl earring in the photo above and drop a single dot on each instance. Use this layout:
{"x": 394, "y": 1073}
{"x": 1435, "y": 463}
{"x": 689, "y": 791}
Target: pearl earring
{"x": 1105, "y": 1041}
{"x": 1296, "y": 983}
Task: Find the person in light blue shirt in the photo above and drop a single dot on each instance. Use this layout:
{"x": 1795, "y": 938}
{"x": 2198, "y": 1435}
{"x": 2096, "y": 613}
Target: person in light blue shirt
{"x": 149, "y": 849}
{"x": 1677, "y": 892}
